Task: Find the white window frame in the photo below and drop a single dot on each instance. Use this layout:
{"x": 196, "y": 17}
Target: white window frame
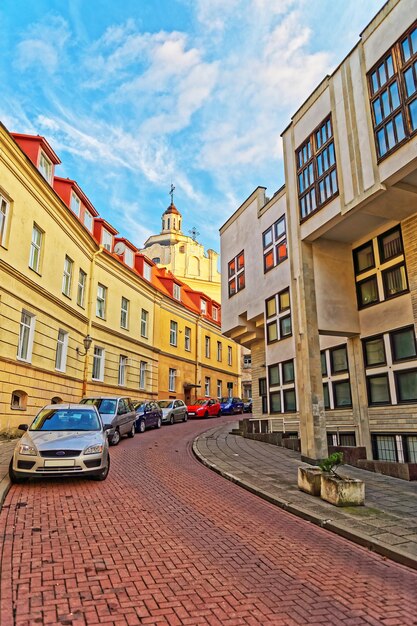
{"x": 219, "y": 351}
{"x": 219, "y": 388}
{"x": 61, "y": 351}
{"x": 229, "y": 355}
{"x": 45, "y": 167}
{"x": 27, "y": 329}
{"x": 143, "y": 367}
{"x": 124, "y": 313}
{"x": 101, "y": 300}
{"x": 147, "y": 271}
{"x": 207, "y": 346}
{"x": 67, "y": 276}
{"x": 88, "y": 220}
{"x": 129, "y": 257}
{"x": 203, "y": 306}
{"x": 36, "y": 248}
{"x": 144, "y": 319}
{"x": 207, "y": 386}
{"x": 172, "y": 374}
{"x": 215, "y": 313}
{"x": 106, "y": 239}
{"x": 82, "y": 279}
{"x": 173, "y": 333}
{"x": 75, "y": 204}
{"x": 187, "y": 339}
{"x": 4, "y": 216}
{"x": 122, "y": 370}
{"x": 176, "y": 290}
{"x": 98, "y": 362}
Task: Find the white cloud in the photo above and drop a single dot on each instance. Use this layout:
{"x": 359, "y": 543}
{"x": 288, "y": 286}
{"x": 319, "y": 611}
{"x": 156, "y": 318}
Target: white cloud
{"x": 43, "y": 45}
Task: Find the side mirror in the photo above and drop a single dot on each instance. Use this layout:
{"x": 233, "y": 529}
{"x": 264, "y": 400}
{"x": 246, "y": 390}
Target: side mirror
{"x": 23, "y": 427}
{"x": 108, "y": 426}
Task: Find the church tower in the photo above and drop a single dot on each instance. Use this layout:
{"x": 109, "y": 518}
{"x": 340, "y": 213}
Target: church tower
{"x": 171, "y": 220}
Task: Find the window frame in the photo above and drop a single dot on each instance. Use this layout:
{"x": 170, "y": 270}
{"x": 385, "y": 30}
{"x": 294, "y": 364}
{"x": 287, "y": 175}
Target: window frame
{"x": 36, "y": 249}
{"x": 338, "y": 383}
{"x": 4, "y": 202}
{"x": 124, "y": 313}
{"x": 173, "y": 333}
{"x": 172, "y": 379}
{"x": 67, "y": 276}
{"x": 122, "y": 372}
{"x": 143, "y": 368}
{"x": 235, "y": 273}
{"x": 61, "y": 350}
{"x": 144, "y": 319}
{"x": 368, "y": 389}
{"x": 187, "y": 339}
{"x": 397, "y": 374}
{"x": 147, "y": 271}
{"x": 81, "y": 288}
{"x": 398, "y": 331}
{"x": 365, "y": 340}
{"x": 75, "y": 201}
{"x": 176, "y": 291}
{"x": 45, "y": 172}
{"x": 100, "y": 360}
{"x": 384, "y": 274}
{"x": 27, "y": 358}
{"x": 101, "y": 299}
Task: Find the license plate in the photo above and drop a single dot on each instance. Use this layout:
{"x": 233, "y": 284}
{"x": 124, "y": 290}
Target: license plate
{"x": 191, "y": 413}
{"x": 60, "y": 463}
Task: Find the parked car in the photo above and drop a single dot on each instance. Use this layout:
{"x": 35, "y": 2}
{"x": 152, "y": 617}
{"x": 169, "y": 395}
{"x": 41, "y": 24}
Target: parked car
{"x": 173, "y": 411}
{"x": 148, "y": 414}
{"x": 204, "y": 407}
{"x": 231, "y": 405}
{"x": 62, "y": 440}
{"x": 117, "y": 411}
{"x": 247, "y": 405}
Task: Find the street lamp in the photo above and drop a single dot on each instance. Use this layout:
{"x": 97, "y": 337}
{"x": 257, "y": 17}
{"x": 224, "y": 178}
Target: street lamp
{"x": 87, "y": 341}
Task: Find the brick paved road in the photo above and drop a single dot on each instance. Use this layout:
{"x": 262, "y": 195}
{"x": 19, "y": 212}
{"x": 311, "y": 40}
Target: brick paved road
{"x": 164, "y": 541}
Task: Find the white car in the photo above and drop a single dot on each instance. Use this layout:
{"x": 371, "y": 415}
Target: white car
{"x": 63, "y": 440}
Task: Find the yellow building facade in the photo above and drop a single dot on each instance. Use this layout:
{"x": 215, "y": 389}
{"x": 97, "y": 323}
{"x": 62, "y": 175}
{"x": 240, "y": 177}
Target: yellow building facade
{"x": 62, "y": 282}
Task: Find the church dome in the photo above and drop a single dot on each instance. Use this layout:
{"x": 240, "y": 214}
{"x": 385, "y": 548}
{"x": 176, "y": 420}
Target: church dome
{"x": 172, "y": 209}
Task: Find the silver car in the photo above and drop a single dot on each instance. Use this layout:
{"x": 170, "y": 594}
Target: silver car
{"x": 63, "y": 440}
{"x": 173, "y": 411}
{"x": 118, "y": 412}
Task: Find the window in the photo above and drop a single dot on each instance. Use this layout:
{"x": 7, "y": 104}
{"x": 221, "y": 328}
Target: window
{"x": 282, "y": 375}
{"x": 4, "y": 212}
{"x": 278, "y": 306}
{"x": 229, "y": 355}
{"x": 289, "y": 400}
{"x": 335, "y": 373}
{"x": 403, "y": 344}
{"x": 122, "y": 370}
{"x": 247, "y": 361}
{"x": 35, "y": 248}
{"x": 338, "y": 359}
{"x": 75, "y": 204}
{"x": 316, "y": 170}
{"x": 98, "y": 363}
{"x": 285, "y": 326}
{"x": 392, "y": 86}
{"x": 45, "y": 167}
{"x": 173, "y": 332}
{"x": 219, "y": 350}
{"x": 106, "y": 240}
{"x": 19, "y": 400}
{"x": 390, "y": 245}
{"x": 203, "y": 307}
{"x": 128, "y": 257}
{"x": 156, "y": 259}
{"x": 364, "y": 258}
{"x": 215, "y": 313}
{"x": 207, "y": 386}
{"x": 395, "y": 281}
{"x": 288, "y": 372}
{"x": 176, "y": 291}
{"x": 187, "y": 339}
{"x": 274, "y": 241}
{"x": 271, "y": 307}
{"x": 101, "y": 301}
{"x": 144, "y": 316}
{"x": 385, "y": 448}
{"x": 378, "y": 389}
{"x": 367, "y": 292}
{"x": 143, "y": 366}
{"x": 82, "y": 277}
{"x": 219, "y": 389}
{"x": 374, "y": 351}
{"x": 61, "y": 351}
{"x": 26, "y": 334}
{"x": 88, "y": 220}
{"x": 230, "y": 390}
{"x": 284, "y": 300}
{"x": 342, "y": 397}
{"x": 147, "y": 271}
{"x": 236, "y": 274}
{"x": 207, "y": 347}
{"x": 67, "y": 277}
{"x": 323, "y": 363}
{"x": 124, "y": 313}
{"x": 263, "y": 394}
{"x": 326, "y": 396}
{"x": 406, "y": 385}
{"x": 171, "y": 379}
{"x": 275, "y": 402}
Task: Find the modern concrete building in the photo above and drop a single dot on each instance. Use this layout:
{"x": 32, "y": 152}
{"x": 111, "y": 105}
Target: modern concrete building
{"x": 68, "y": 282}
{"x": 320, "y": 282}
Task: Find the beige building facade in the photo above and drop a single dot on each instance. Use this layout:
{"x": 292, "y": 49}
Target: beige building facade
{"x": 350, "y": 211}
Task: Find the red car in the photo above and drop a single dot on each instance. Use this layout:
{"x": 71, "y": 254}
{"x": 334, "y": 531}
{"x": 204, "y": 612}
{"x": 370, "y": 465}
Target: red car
{"x": 204, "y": 407}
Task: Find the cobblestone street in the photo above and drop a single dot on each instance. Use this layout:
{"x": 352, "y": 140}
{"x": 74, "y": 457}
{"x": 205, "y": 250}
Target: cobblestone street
{"x": 165, "y": 541}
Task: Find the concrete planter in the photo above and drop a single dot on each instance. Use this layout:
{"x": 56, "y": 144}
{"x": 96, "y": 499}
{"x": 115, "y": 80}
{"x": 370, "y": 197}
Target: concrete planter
{"x": 309, "y": 480}
{"x": 342, "y": 491}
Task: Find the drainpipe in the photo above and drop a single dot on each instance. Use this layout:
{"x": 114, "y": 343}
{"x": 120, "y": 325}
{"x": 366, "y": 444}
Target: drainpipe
{"x": 197, "y": 354}
{"x": 89, "y": 311}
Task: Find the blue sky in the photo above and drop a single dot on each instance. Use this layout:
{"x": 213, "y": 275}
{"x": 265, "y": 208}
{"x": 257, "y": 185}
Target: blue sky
{"x": 133, "y": 95}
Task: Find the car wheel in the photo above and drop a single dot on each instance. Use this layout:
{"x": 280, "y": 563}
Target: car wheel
{"x": 104, "y": 472}
{"x": 115, "y": 438}
{"x": 15, "y": 478}
{"x": 185, "y": 418}
{"x": 132, "y": 431}
{"x": 142, "y": 426}
{"x": 171, "y": 419}
{"x": 206, "y": 414}
{"x": 158, "y": 423}
{"x": 219, "y": 414}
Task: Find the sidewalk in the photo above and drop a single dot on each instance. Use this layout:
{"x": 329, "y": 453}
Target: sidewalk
{"x": 386, "y": 524}
{"x": 6, "y": 450}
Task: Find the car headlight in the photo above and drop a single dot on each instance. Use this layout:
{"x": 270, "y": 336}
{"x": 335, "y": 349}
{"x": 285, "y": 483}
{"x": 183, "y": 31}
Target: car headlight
{"x": 24, "y": 448}
{"x": 95, "y": 449}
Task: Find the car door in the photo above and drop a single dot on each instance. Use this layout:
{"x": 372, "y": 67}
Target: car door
{"x": 154, "y": 412}
{"x": 211, "y": 407}
{"x": 121, "y": 416}
{"x": 131, "y": 414}
{"x": 177, "y": 411}
{"x": 182, "y": 410}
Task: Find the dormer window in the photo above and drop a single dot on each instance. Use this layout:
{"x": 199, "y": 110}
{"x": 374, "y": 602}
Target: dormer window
{"x": 204, "y": 307}
{"x": 128, "y": 257}
{"x": 177, "y": 291}
{"x": 147, "y": 271}
{"x": 75, "y": 204}
{"x": 106, "y": 240}
{"x": 45, "y": 167}
{"x": 88, "y": 220}
{"x": 215, "y": 313}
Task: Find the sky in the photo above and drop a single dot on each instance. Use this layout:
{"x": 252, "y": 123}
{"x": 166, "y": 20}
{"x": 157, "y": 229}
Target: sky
{"x": 138, "y": 94}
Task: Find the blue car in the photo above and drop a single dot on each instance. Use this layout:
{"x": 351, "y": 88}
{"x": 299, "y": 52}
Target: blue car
{"x": 149, "y": 415}
{"x": 230, "y": 406}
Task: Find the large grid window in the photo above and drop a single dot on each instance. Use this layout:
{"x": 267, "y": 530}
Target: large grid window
{"x": 316, "y": 170}
{"x": 336, "y": 383}
{"x": 393, "y": 94}
{"x": 278, "y": 314}
{"x": 397, "y": 448}
{"x": 380, "y": 268}
{"x": 281, "y": 382}
{"x": 236, "y": 274}
{"x": 274, "y": 241}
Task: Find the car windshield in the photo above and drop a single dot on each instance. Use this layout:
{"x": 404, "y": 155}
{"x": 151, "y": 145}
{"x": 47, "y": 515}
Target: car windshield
{"x": 66, "y": 419}
{"x": 200, "y": 402}
{"x": 225, "y": 400}
{"x": 166, "y": 404}
{"x": 139, "y": 406}
{"x": 105, "y": 406}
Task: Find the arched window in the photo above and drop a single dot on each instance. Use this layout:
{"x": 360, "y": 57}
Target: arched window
{"x": 156, "y": 259}
{"x": 182, "y": 249}
{"x": 19, "y": 400}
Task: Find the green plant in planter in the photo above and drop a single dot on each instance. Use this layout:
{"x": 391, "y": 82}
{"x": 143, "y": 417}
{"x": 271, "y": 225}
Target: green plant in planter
{"x": 332, "y": 462}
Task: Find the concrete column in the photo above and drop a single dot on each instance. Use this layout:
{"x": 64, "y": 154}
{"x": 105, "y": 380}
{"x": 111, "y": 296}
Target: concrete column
{"x": 409, "y": 233}
{"x": 359, "y": 394}
{"x": 259, "y": 370}
{"x": 308, "y": 363}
